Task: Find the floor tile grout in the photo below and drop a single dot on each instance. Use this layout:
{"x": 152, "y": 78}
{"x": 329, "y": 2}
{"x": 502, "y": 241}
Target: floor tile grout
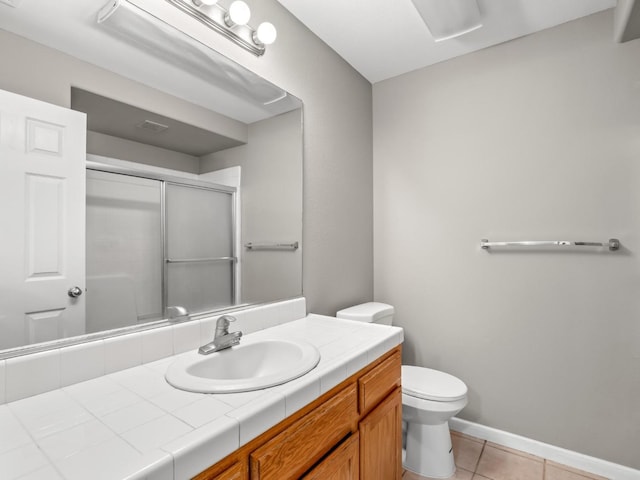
{"x": 510, "y": 451}
{"x": 475, "y": 469}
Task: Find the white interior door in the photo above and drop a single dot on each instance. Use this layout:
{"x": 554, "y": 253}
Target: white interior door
{"x": 42, "y": 209}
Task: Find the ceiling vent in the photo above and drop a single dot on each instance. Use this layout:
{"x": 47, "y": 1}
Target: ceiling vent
{"x": 448, "y": 19}
{"x": 154, "y": 127}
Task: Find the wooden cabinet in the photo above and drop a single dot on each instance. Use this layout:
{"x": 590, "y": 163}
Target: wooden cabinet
{"x": 237, "y": 471}
{"x": 292, "y": 452}
{"x": 232, "y": 473}
{"x": 376, "y": 384}
{"x": 381, "y": 440}
{"x": 342, "y": 464}
{"x": 351, "y": 432}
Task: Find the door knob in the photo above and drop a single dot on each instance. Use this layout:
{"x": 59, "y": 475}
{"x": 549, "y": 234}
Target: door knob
{"x": 74, "y": 292}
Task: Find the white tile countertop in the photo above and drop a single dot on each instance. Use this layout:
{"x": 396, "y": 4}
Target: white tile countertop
{"x": 132, "y": 424}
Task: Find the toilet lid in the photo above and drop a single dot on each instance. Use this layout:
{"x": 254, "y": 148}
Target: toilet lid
{"x": 431, "y": 384}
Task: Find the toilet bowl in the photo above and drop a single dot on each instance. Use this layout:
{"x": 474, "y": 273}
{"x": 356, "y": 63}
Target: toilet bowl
{"x": 429, "y": 399}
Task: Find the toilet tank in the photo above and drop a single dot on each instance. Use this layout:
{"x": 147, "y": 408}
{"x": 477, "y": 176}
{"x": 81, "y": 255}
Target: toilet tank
{"x": 371, "y": 312}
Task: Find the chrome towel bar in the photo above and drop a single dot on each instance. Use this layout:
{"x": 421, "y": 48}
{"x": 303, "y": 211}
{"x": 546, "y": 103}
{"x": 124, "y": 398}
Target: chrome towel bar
{"x": 271, "y": 246}
{"x": 613, "y": 244}
{"x": 201, "y": 260}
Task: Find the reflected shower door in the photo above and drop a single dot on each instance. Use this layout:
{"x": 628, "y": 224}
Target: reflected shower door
{"x": 200, "y": 261}
{"x": 124, "y": 250}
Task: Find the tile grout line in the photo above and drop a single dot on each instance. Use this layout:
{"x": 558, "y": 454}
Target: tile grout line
{"x": 475, "y": 469}
{"x": 543, "y": 460}
{"x": 34, "y": 442}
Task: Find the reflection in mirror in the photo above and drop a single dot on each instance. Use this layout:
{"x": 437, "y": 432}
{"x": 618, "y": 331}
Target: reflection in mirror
{"x": 170, "y": 175}
{"x": 148, "y": 248}
{"x": 124, "y": 251}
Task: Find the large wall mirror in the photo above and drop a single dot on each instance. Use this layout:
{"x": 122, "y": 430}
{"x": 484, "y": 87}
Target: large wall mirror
{"x": 143, "y": 174}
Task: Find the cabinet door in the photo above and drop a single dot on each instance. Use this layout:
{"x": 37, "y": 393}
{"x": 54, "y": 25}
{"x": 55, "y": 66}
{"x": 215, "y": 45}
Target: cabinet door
{"x": 237, "y": 471}
{"x": 381, "y": 440}
{"x": 233, "y": 473}
{"x": 342, "y": 464}
{"x": 296, "y": 449}
{"x": 379, "y": 382}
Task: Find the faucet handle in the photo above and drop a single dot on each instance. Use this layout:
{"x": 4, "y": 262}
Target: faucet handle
{"x": 224, "y": 321}
{"x": 222, "y": 325}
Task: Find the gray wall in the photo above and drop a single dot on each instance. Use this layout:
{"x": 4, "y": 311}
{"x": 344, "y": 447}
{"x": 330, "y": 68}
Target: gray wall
{"x": 120, "y": 148}
{"x": 538, "y": 138}
{"x": 270, "y": 161}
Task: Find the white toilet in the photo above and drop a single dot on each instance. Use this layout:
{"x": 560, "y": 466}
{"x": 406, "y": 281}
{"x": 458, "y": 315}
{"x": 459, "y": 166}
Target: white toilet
{"x": 429, "y": 399}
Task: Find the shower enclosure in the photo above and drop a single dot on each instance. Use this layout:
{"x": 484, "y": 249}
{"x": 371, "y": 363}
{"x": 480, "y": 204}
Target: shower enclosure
{"x": 155, "y": 241}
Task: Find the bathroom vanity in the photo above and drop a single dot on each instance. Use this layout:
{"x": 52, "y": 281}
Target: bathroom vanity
{"x": 351, "y": 432}
{"x": 341, "y": 420}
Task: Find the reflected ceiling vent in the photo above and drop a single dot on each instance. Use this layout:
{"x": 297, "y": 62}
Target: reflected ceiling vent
{"x": 447, "y": 19}
{"x": 154, "y": 127}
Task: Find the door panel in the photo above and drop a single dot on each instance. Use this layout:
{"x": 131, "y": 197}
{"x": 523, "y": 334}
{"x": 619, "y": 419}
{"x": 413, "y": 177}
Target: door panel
{"x": 124, "y": 250}
{"x": 42, "y": 180}
{"x": 341, "y": 464}
{"x": 381, "y": 440}
{"x": 44, "y": 326}
{"x": 44, "y": 198}
{"x": 200, "y": 247}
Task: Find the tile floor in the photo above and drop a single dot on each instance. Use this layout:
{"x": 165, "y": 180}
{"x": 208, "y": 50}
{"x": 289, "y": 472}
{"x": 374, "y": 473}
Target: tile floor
{"x": 481, "y": 460}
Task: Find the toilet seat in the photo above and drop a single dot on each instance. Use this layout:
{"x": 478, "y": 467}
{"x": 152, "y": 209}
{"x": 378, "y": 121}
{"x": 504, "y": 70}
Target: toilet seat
{"x": 433, "y": 385}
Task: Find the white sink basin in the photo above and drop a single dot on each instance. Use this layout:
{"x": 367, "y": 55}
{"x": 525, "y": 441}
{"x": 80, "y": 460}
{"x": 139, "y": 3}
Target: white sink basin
{"x": 252, "y": 365}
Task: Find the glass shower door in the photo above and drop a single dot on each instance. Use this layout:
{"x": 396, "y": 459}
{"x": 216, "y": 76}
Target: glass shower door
{"x": 124, "y": 251}
{"x": 200, "y": 256}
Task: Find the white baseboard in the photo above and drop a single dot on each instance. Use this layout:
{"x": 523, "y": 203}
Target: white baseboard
{"x": 544, "y": 450}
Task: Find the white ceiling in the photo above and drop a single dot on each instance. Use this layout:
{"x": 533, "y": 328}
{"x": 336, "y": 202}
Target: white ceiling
{"x": 385, "y": 38}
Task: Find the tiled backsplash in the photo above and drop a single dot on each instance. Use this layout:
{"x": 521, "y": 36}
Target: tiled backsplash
{"x": 22, "y": 377}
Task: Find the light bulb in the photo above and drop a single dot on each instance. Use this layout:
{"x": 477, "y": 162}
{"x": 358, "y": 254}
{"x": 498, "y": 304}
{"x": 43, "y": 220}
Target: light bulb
{"x": 199, "y": 3}
{"x": 266, "y": 33}
{"x": 239, "y": 13}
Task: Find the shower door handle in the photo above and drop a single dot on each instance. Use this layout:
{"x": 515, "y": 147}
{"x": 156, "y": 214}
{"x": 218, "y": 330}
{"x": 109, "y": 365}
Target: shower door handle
{"x": 74, "y": 292}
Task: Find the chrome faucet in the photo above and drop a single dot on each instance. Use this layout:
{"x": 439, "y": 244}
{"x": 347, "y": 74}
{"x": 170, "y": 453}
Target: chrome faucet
{"x": 177, "y": 313}
{"x": 222, "y": 338}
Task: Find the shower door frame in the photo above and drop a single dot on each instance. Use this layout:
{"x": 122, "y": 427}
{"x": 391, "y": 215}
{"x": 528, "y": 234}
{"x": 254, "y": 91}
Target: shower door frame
{"x": 164, "y": 178}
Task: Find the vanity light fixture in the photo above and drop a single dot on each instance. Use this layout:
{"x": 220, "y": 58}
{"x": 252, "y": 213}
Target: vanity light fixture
{"x": 265, "y": 34}
{"x": 154, "y": 37}
{"x": 239, "y": 14}
{"x": 231, "y": 23}
{"x": 447, "y": 19}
